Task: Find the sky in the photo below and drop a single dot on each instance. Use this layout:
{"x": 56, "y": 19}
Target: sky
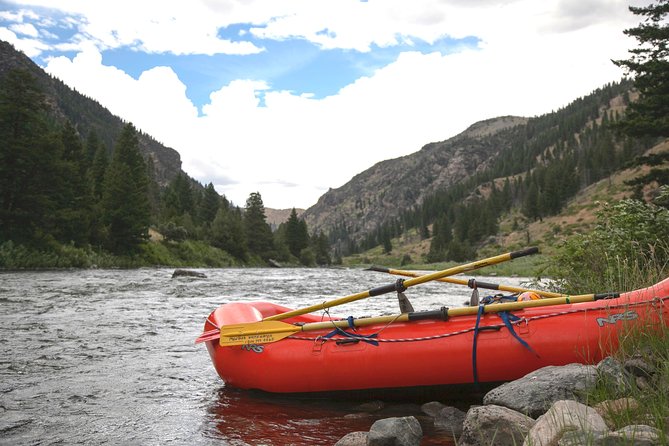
{"x": 291, "y": 98}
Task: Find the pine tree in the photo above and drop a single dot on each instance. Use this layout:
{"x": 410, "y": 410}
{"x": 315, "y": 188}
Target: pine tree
{"x": 258, "y": 233}
{"x": 649, "y": 116}
{"x": 297, "y": 235}
{"x": 73, "y": 196}
{"x": 178, "y": 197}
{"x": 228, "y": 233}
{"x": 97, "y": 171}
{"x": 27, "y": 156}
{"x": 321, "y": 248}
{"x": 125, "y": 204}
{"x": 211, "y": 201}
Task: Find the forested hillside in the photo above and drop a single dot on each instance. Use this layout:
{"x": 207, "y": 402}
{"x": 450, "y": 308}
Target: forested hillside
{"x": 78, "y": 187}
{"x": 527, "y": 167}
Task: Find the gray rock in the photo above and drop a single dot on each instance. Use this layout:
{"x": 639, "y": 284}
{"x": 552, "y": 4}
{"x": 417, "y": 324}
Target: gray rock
{"x": 450, "y": 419}
{"x": 610, "y": 410}
{"x": 353, "y": 439}
{"x": 399, "y": 431}
{"x": 187, "y": 273}
{"x": 501, "y": 426}
{"x": 611, "y": 372}
{"x": 563, "y": 416}
{"x": 638, "y": 366}
{"x": 432, "y": 408}
{"x": 580, "y": 437}
{"x": 371, "y": 406}
{"x": 536, "y": 392}
{"x": 638, "y": 435}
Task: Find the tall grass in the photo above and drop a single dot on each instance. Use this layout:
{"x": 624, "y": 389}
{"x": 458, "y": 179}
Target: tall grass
{"x": 647, "y": 395}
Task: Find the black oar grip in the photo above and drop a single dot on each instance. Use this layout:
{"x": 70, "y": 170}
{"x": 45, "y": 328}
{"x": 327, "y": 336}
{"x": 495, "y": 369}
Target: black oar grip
{"x": 473, "y": 283}
{"x": 441, "y": 313}
{"x": 380, "y": 269}
{"x": 606, "y": 296}
{"x": 524, "y": 252}
{"x": 397, "y": 286}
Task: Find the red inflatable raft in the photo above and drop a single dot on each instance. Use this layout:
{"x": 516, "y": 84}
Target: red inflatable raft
{"x": 484, "y": 344}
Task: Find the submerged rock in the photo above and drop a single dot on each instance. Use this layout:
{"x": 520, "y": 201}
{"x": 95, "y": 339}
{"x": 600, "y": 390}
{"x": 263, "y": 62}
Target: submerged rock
{"x": 187, "y": 273}
{"x": 451, "y": 420}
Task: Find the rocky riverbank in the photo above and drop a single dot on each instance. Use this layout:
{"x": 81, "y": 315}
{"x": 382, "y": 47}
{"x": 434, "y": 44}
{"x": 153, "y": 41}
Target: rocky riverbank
{"x": 546, "y": 407}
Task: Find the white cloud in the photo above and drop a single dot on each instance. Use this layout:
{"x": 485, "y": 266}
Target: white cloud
{"x": 25, "y": 29}
{"x": 533, "y": 57}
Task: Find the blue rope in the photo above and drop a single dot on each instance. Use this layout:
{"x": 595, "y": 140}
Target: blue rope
{"x": 351, "y": 324}
{"x": 476, "y": 333}
{"x": 507, "y": 318}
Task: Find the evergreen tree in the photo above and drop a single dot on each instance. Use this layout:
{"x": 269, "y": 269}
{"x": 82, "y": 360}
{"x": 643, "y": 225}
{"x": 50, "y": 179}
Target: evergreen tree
{"x": 258, "y": 233}
{"x": 649, "y": 64}
{"x": 227, "y": 232}
{"x": 386, "y": 241}
{"x": 321, "y": 248}
{"x": 125, "y": 204}
{"x": 297, "y": 236}
{"x": 178, "y": 197}
{"x": 97, "y": 171}
{"x": 73, "y": 196}
{"x": 27, "y": 156}
{"x": 93, "y": 143}
{"x": 211, "y": 201}
{"x": 442, "y": 237}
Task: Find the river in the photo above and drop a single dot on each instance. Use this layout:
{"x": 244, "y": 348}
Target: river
{"x": 108, "y": 356}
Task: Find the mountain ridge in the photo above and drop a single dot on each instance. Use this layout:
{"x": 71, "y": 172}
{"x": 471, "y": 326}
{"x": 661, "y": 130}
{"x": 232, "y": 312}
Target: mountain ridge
{"x": 87, "y": 114}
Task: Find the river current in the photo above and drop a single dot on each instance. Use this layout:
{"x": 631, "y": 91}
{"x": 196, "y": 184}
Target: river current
{"x": 108, "y": 356}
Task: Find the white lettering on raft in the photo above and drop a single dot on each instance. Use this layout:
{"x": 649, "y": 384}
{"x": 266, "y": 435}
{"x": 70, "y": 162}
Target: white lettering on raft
{"x": 626, "y": 316}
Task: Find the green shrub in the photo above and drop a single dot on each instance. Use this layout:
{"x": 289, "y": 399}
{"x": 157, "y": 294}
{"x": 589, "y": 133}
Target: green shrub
{"x": 627, "y": 249}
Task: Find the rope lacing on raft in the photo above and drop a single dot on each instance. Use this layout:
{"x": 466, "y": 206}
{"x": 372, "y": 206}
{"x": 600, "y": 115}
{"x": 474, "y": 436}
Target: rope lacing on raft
{"x": 660, "y": 300}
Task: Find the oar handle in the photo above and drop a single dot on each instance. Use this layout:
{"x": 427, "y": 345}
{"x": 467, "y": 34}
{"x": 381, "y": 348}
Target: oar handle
{"x": 471, "y": 283}
{"x": 471, "y": 266}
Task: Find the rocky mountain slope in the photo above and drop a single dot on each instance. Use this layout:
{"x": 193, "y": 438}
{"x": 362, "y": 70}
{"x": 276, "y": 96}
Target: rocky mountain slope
{"x": 391, "y": 186}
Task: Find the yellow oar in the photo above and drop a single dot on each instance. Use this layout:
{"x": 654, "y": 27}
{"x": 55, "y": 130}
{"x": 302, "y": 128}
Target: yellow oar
{"x": 401, "y": 286}
{"x": 484, "y": 285}
{"x": 265, "y": 332}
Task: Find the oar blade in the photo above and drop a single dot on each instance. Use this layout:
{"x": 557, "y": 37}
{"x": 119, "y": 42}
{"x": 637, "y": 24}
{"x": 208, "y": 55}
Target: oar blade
{"x": 209, "y": 335}
{"x": 263, "y": 332}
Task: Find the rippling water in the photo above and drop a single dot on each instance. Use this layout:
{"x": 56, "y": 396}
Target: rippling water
{"x": 108, "y": 356}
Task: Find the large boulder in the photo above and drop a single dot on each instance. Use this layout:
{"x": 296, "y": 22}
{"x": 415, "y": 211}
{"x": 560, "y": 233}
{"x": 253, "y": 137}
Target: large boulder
{"x": 501, "y": 426}
{"x": 398, "y": 431}
{"x": 353, "y": 439}
{"x": 536, "y": 392}
{"x": 562, "y": 417}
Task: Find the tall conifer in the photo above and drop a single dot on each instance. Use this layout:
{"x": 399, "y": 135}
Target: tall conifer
{"x": 126, "y": 211}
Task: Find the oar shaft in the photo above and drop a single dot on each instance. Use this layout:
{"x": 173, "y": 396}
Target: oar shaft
{"x": 470, "y": 266}
{"x": 406, "y": 284}
{"x": 453, "y": 280}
